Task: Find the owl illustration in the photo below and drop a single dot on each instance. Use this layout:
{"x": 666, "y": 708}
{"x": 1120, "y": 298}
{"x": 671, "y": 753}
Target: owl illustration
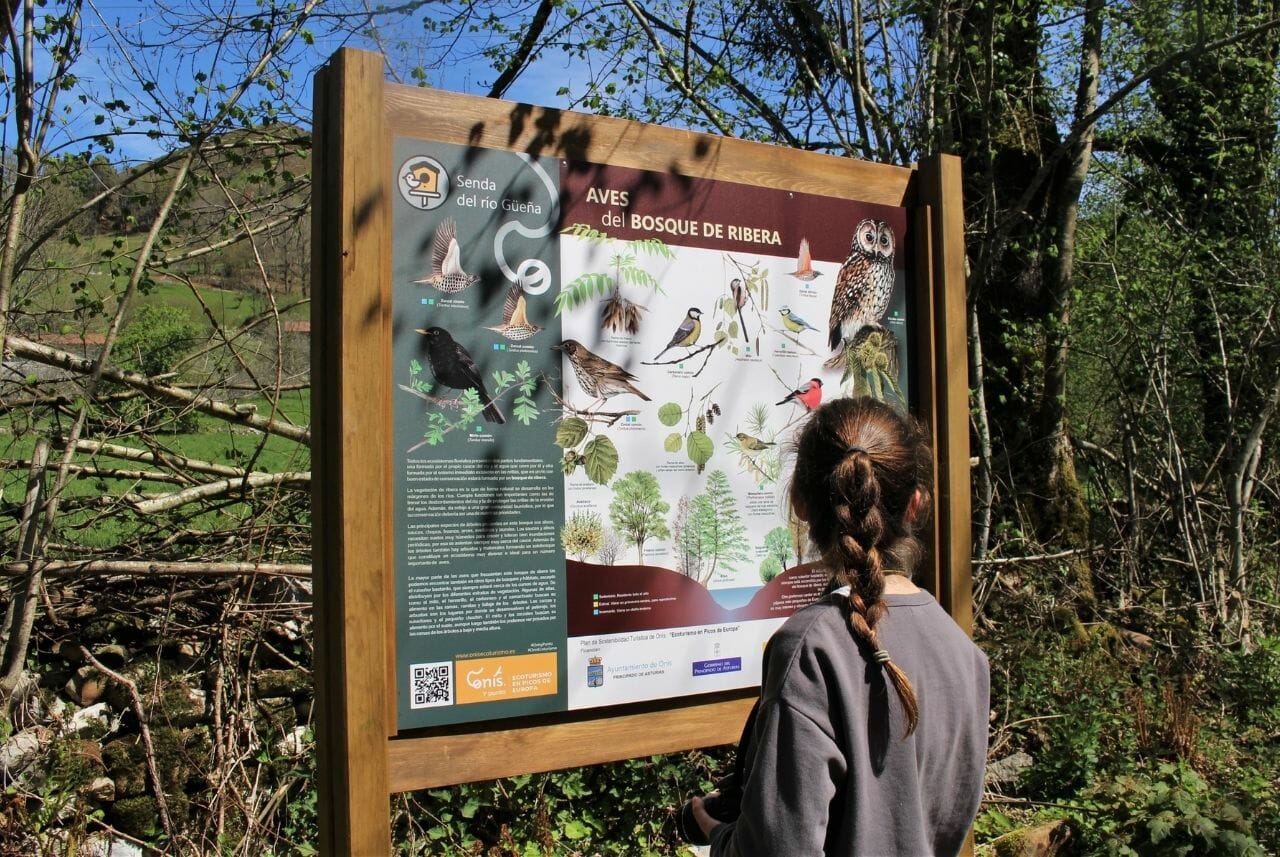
{"x": 864, "y": 283}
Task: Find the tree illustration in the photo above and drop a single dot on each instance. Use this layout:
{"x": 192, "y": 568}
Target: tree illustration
{"x": 717, "y": 526}
{"x": 770, "y": 568}
{"x": 780, "y": 543}
{"x": 618, "y": 313}
{"x": 582, "y": 535}
{"x": 638, "y": 509}
{"x": 610, "y": 547}
{"x": 688, "y": 541}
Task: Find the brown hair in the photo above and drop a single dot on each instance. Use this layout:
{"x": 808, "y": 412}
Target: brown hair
{"x": 859, "y": 462}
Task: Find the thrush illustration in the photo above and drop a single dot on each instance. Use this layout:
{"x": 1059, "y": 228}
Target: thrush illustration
{"x": 739, "y": 293}
{"x": 687, "y": 333}
{"x": 598, "y": 377}
{"x": 453, "y": 367}
{"x": 804, "y": 264}
{"x": 808, "y": 394}
{"x": 446, "y": 261}
{"x": 751, "y": 444}
{"x": 515, "y": 320}
{"x": 793, "y": 322}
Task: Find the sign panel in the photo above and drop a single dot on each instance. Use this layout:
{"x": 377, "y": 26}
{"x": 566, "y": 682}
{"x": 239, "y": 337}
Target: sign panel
{"x": 596, "y": 373}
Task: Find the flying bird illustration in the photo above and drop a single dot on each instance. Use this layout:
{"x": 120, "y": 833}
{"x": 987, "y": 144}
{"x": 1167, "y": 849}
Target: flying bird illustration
{"x": 687, "y": 333}
{"x": 597, "y": 376}
{"x": 864, "y": 283}
{"x": 446, "y": 261}
{"x": 804, "y": 264}
{"x": 793, "y": 322}
{"x": 515, "y": 319}
{"x": 750, "y": 444}
{"x": 808, "y": 394}
{"x": 453, "y": 367}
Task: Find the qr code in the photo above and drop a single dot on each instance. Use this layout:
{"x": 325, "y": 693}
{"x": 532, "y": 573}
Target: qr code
{"x": 431, "y": 685}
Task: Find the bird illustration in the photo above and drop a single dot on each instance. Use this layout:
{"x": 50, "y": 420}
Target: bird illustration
{"x": 598, "y": 377}
{"x": 453, "y": 367}
{"x": 515, "y": 320}
{"x": 739, "y": 293}
{"x": 446, "y": 261}
{"x": 687, "y": 333}
{"x": 808, "y": 394}
{"x": 804, "y": 264}
{"x": 793, "y": 322}
{"x": 750, "y": 444}
{"x": 864, "y": 283}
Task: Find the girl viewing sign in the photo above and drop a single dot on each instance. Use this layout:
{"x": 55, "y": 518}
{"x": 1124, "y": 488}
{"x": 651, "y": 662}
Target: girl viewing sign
{"x": 597, "y": 372}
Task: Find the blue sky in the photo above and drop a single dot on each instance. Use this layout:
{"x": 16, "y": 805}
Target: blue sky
{"x": 127, "y": 42}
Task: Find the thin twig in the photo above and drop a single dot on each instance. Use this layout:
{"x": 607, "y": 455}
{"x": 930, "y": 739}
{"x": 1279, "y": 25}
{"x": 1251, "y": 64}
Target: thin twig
{"x": 153, "y": 772}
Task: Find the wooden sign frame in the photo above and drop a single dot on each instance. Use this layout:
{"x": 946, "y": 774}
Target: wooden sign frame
{"x": 361, "y": 758}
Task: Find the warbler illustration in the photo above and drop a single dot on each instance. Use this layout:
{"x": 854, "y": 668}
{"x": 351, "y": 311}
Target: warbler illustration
{"x": 687, "y": 333}
{"x": 808, "y": 394}
{"x": 598, "y": 377}
{"x": 751, "y": 444}
{"x": 793, "y": 322}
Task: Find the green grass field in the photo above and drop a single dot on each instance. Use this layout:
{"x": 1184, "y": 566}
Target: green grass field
{"x": 78, "y": 291}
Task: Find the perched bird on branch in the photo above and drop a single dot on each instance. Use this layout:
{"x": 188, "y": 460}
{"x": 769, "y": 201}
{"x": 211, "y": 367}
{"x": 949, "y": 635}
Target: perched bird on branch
{"x": 687, "y": 333}
{"x": 598, "y": 377}
{"x": 739, "y": 293}
{"x": 752, "y": 444}
{"x": 446, "y": 261}
{"x": 808, "y": 394}
{"x": 793, "y": 322}
{"x": 864, "y": 283}
{"x": 453, "y": 367}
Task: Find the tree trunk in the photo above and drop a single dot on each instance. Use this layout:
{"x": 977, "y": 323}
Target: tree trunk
{"x": 1064, "y": 514}
{"x": 20, "y": 615}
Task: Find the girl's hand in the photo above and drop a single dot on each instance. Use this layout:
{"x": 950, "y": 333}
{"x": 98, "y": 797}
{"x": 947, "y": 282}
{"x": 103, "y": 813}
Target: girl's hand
{"x": 705, "y": 821}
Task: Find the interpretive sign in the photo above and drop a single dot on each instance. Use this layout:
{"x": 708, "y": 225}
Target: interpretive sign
{"x": 558, "y": 361}
{"x": 597, "y": 371}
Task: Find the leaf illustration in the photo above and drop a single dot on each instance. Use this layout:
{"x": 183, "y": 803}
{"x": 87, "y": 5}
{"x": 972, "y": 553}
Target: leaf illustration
{"x": 638, "y": 277}
{"x": 673, "y": 442}
{"x": 586, "y": 231}
{"x": 583, "y": 289}
{"x": 654, "y": 247}
{"x": 570, "y": 432}
{"x": 670, "y": 414}
{"x": 700, "y": 448}
{"x": 600, "y": 457}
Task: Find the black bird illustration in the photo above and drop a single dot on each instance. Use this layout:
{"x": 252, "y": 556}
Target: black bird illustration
{"x": 453, "y": 367}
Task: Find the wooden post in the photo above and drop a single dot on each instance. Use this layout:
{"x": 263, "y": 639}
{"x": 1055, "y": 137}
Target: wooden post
{"x": 940, "y": 189}
{"x": 349, "y": 323}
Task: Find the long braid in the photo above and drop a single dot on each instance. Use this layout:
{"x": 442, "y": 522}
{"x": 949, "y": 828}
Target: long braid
{"x": 866, "y": 459}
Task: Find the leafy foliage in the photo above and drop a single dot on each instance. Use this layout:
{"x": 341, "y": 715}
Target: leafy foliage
{"x": 638, "y": 509}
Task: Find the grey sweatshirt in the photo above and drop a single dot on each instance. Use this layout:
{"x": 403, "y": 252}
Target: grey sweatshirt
{"x": 827, "y": 771}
